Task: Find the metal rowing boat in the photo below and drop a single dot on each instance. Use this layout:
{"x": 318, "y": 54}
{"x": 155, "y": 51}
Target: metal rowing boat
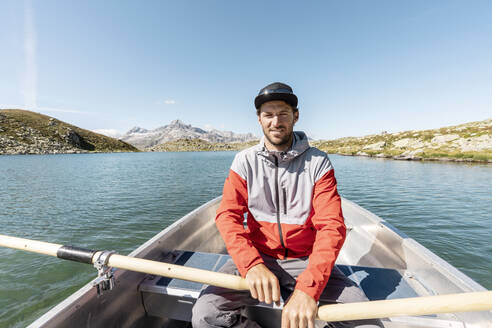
{"x": 383, "y": 261}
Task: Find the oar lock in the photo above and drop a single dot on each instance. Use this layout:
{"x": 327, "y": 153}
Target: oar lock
{"x": 105, "y": 280}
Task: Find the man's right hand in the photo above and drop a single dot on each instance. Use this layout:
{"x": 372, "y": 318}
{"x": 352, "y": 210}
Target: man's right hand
{"x": 263, "y": 284}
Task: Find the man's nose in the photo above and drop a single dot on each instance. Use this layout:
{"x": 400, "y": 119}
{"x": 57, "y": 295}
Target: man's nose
{"x": 276, "y": 120}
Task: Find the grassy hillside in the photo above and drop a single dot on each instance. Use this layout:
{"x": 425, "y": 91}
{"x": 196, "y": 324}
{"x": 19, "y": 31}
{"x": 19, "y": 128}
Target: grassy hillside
{"x": 464, "y": 142}
{"x": 201, "y": 145}
{"x": 26, "y": 132}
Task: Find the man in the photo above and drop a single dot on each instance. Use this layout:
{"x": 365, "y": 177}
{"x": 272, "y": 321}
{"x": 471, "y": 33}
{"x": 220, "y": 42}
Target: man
{"x": 295, "y": 226}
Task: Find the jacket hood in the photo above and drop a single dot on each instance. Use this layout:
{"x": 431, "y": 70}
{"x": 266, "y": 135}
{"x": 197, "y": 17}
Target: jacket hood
{"x": 299, "y": 145}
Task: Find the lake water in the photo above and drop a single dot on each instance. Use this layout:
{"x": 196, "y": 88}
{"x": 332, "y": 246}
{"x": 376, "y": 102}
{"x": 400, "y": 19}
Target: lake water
{"x": 118, "y": 201}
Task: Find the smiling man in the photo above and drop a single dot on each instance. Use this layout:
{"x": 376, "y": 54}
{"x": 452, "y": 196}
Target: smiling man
{"x": 295, "y": 227}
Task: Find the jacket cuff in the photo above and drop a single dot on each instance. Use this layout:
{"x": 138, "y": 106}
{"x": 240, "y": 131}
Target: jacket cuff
{"x": 244, "y": 270}
{"x": 310, "y": 287}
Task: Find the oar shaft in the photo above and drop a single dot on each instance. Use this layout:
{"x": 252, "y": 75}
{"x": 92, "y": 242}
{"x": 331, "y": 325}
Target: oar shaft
{"x": 463, "y": 302}
{"x": 178, "y": 271}
{"x": 127, "y": 263}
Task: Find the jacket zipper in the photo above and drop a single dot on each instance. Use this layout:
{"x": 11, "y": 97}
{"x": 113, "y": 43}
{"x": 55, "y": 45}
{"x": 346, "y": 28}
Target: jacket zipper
{"x": 285, "y": 200}
{"x": 277, "y": 201}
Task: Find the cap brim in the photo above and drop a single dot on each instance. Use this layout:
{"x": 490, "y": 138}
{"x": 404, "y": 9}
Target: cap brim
{"x": 289, "y": 98}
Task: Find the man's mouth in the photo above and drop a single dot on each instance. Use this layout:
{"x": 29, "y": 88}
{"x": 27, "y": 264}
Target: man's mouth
{"x": 276, "y": 134}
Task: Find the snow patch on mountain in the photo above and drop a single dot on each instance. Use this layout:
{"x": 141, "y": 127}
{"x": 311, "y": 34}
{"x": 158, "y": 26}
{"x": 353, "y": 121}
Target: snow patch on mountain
{"x": 143, "y": 138}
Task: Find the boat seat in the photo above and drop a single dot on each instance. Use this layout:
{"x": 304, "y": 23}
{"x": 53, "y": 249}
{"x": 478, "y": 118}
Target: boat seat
{"x": 174, "y": 298}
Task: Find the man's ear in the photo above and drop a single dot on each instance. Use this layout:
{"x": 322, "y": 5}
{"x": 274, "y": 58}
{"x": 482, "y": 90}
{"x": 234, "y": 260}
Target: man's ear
{"x": 296, "y": 116}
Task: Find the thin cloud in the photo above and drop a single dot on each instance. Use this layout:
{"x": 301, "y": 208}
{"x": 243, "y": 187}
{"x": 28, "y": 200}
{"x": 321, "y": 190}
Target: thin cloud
{"x": 113, "y": 133}
{"x": 29, "y": 80}
{"x": 166, "y": 102}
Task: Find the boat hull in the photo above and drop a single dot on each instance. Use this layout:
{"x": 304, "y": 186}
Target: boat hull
{"x": 371, "y": 243}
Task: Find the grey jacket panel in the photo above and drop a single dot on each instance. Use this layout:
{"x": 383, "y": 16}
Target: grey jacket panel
{"x": 297, "y": 171}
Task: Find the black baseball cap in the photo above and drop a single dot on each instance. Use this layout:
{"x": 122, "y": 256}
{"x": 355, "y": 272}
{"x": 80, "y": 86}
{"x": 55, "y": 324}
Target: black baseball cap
{"x": 276, "y": 91}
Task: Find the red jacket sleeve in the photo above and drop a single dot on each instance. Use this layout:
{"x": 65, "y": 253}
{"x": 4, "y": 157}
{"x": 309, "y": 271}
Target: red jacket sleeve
{"x": 229, "y": 221}
{"x": 327, "y": 219}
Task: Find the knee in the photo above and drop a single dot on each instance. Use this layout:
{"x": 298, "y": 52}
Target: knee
{"x": 207, "y": 313}
{"x": 199, "y": 312}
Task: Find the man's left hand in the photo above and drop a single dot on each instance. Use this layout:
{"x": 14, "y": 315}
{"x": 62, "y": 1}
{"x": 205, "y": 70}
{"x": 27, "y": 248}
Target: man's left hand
{"x": 300, "y": 311}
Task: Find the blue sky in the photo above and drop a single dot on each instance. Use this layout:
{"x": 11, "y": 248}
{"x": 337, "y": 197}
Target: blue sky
{"x": 358, "y": 67}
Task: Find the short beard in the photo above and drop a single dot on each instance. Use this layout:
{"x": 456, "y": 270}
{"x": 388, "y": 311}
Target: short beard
{"x": 284, "y": 141}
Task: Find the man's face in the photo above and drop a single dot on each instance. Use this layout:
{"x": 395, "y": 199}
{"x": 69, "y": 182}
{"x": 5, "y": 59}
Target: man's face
{"x": 277, "y": 119}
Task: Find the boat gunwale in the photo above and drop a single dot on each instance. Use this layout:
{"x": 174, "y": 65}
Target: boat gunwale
{"x": 460, "y": 279}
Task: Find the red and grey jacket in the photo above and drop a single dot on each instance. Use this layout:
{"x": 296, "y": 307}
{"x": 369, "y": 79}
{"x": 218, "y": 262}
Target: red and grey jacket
{"x": 293, "y": 210}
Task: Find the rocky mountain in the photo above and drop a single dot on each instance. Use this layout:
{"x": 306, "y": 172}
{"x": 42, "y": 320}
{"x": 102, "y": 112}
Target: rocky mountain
{"x": 26, "y": 132}
{"x": 471, "y": 142}
{"x": 146, "y": 139}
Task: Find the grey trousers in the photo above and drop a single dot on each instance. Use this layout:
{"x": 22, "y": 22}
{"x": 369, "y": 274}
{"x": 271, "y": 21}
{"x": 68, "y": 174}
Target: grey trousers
{"x": 221, "y": 307}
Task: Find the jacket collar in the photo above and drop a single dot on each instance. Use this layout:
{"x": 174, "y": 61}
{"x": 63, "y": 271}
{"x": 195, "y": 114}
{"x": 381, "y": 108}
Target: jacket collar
{"x": 299, "y": 145}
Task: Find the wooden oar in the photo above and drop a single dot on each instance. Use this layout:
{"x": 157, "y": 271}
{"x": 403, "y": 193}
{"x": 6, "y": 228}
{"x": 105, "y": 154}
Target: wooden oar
{"x": 127, "y": 263}
{"x": 451, "y": 303}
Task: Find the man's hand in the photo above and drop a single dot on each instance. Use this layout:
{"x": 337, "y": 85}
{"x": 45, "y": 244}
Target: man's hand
{"x": 263, "y": 284}
{"x": 300, "y": 311}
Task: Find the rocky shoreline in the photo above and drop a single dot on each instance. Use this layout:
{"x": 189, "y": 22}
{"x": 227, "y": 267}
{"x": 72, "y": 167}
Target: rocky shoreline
{"x": 24, "y": 132}
{"x": 426, "y": 159}
{"x": 469, "y": 143}
{"x": 195, "y": 144}
{"x": 30, "y": 141}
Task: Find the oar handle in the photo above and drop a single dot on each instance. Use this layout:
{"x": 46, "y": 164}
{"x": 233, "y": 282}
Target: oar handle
{"x": 450, "y": 303}
{"x": 463, "y": 302}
